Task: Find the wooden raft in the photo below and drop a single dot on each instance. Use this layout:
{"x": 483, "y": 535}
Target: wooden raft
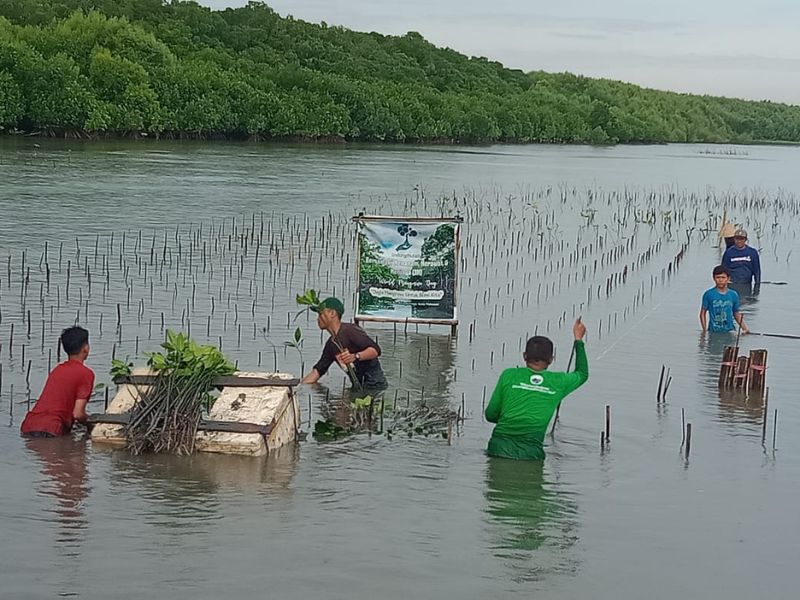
{"x": 255, "y": 414}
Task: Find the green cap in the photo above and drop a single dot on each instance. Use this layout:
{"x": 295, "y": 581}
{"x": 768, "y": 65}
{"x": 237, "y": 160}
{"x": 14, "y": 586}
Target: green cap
{"x": 333, "y": 303}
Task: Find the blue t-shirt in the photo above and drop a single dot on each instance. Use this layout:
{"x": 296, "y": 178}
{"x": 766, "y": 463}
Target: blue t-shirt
{"x": 720, "y": 309}
{"x": 743, "y": 264}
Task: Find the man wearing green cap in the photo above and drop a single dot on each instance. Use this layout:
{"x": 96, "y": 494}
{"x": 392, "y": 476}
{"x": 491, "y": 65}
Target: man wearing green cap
{"x": 348, "y": 345}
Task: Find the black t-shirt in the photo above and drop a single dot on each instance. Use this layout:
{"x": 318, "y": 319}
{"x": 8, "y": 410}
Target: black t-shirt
{"x": 354, "y": 339}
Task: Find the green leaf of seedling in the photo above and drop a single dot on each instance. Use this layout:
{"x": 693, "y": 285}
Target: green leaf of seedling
{"x": 297, "y": 335}
{"x": 120, "y": 368}
{"x": 310, "y": 299}
{"x": 329, "y": 430}
{"x": 304, "y": 300}
{"x": 362, "y": 402}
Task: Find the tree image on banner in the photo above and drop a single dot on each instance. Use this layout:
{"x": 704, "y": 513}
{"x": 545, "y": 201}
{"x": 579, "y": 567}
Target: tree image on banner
{"x": 374, "y": 273}
{"x": 407, "y": 231}
{"x": 436, "y": 267}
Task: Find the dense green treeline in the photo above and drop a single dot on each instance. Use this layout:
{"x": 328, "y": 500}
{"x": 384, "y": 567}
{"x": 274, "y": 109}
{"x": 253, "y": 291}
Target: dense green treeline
{"x": 125, "y": 67}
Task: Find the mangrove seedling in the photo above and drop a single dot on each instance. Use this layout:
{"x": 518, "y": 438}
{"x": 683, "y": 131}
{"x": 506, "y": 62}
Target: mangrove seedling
{"x": 167, "y": 415}
{"x": 297, "y": 343}
{"x": 274, "y": 349}
{"x": 120, "y": 369}
{"x": 328, "y": 430}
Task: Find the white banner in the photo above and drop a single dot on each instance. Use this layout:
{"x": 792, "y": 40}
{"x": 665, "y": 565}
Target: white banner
{"x": 408, "y": 269}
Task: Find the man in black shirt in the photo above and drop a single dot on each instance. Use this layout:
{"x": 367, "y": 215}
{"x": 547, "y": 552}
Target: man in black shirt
{"x": 348, "y": 345}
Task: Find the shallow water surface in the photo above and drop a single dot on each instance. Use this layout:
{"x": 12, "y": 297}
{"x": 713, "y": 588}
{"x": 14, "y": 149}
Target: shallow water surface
{"x": 366, "y": 516}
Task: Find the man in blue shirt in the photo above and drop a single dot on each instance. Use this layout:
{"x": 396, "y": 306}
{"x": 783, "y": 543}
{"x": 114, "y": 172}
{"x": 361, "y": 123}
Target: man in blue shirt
{"x": 720, "y": 306}
{"x": 742, "y": 261}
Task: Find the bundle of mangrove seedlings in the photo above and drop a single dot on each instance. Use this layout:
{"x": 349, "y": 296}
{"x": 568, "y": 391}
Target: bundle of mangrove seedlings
{"x": 342, "y": 418}
{"x": 422, "y": 420}
{"x": 168, "y": 413}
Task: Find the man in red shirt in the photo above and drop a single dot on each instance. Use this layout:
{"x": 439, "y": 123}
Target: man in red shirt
{"x": 66, "y": 392}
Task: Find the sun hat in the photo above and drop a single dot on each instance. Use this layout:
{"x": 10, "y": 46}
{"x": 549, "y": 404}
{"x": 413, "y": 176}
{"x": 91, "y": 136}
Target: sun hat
{"x": 727, "y": 230}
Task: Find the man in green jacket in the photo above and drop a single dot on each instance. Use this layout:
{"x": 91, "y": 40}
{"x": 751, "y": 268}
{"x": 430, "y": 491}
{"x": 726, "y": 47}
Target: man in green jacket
{"x": 526, "y": 398}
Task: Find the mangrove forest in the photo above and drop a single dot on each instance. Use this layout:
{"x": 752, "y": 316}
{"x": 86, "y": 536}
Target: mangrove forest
{"x": 93, "y": 68}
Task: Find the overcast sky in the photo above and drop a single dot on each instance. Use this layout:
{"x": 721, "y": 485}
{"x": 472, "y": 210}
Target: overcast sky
{"x": 736, "y": 48}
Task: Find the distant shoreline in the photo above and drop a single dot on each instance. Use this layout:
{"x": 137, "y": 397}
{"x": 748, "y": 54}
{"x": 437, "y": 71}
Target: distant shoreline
{"x": 333, "y": 140}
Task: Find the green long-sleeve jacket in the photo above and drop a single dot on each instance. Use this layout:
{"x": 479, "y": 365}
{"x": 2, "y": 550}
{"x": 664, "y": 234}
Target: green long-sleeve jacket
{"x": 523, "y": 403}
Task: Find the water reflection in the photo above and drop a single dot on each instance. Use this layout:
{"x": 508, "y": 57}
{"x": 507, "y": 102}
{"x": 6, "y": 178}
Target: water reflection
{"x": 738, "y": 404}
{"x": 748, "y": 297}
{"x": 712, "y": 344}
{"x": 420, "y": 361}
{"x": 63, "y": 463}
{"x": 182, "y": 491}
{"x": 533, "y": 525}
{"x": 198, "y": 477}
{"x": 710, "y": 348}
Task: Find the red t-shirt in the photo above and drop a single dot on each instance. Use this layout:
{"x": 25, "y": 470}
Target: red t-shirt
{"x": 68, "y": 382}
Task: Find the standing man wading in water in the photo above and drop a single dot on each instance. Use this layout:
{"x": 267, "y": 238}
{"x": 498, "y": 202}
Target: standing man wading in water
{"x": 526, "y": 398}
{"x": 357, "y": 348}
{"x": 743, "y": 262}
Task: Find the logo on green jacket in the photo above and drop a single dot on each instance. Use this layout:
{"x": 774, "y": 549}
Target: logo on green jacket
{"x": 534, "y": 384}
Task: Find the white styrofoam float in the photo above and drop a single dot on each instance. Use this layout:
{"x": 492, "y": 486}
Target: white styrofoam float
{"x": 272, "y": 406}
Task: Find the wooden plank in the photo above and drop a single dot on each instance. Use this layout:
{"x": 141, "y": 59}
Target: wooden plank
{"x": 235, "y": 427}
{"x": 758, "y": 368}
{"x": 227, "y": 426}
{"x": 114, "y": 419}
{"x": 219, "y": 382}
{"x": 244, "y": 381}
{"x": 409, "y": 320}
{"x": 727, "y": 369}
{"x": 363, "y": 217}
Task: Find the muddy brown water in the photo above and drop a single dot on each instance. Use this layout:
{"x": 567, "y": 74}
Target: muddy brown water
{"x": 370, "y": 517}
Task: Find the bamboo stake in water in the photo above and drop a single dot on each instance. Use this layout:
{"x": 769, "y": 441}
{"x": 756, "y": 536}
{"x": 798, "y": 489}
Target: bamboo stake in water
{"x": 774, "y": 429}
{"x": 558, "y": 408}
{"x": 660, "y": 384}
{"x": 688, "y": 438}
{"x": 683, "y": 427}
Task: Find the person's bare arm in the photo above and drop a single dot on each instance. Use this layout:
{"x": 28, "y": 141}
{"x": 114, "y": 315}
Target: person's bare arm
{"x": 312, "y": 377}
{"x": 704, "y": 319}
{"x": 346, "y": 358}
{"x": 740, "y": 320}
{"x": 79, "y": 412}
{"x": 578, "y": 330}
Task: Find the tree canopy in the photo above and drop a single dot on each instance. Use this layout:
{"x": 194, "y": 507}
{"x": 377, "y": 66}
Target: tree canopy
{"x": 122, "y": 67}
